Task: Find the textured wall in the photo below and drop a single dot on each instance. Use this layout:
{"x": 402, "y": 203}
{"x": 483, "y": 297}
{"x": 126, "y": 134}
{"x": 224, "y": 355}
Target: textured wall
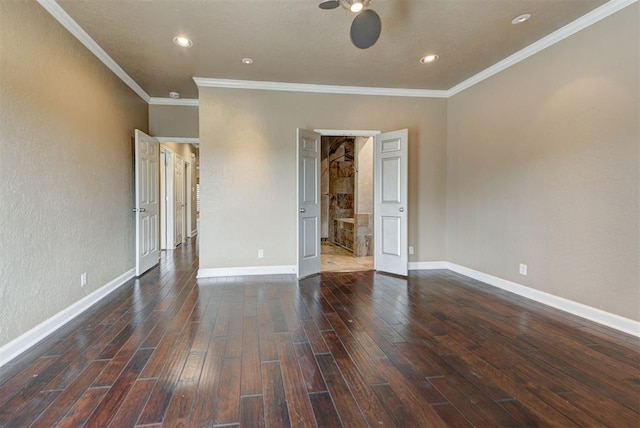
{"x": 174, "y": 121}
{"x": 66, "y": 125}
{"x": 248, "y": 168}
{"x": 543, "y": 164}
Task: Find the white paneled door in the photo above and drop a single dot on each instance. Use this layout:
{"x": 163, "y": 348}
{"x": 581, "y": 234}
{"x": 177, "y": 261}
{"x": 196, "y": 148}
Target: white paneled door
{"x": 308, "y": 203}
{"x": 390, "y": 195}
{"x": 179, "y": 199}
{"x": 147, "y": 194}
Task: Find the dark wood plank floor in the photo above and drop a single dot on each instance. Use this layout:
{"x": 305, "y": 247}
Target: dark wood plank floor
{"x": 350, "y": 349}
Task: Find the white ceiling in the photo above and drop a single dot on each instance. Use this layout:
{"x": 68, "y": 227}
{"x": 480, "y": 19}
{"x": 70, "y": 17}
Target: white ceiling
{"x": 295, "y": 41}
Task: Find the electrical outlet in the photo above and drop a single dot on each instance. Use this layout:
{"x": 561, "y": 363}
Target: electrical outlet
{"x": 410, "y": 249}
{"x": 260, "y": 254}
{"x": 83, "y": 279}
{"x": 523, "y": 269}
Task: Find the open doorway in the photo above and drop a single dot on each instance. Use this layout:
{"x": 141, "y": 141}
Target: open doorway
{"x": 390, "y": 178}
{"x": 178, "y": 178}
{"x": 347, "y": 232}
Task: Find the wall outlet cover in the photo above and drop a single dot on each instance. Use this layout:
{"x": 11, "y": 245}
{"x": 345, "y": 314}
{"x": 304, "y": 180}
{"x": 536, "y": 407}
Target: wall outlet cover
{"x": 523, "y": 269}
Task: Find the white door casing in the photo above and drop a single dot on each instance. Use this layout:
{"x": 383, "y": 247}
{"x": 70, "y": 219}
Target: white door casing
{"x": 188, "y": 199}
{"x": 163, "y": 199}
{"x": 179, "y": 200}
{"x": 147, "y": 194}
{"x": 308, "y": 191}
{"x": 166, "y": 199}
{"x": 390, "y": 202}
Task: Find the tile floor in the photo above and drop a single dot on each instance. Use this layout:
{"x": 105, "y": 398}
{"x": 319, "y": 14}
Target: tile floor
{"x": 337, "y": 259}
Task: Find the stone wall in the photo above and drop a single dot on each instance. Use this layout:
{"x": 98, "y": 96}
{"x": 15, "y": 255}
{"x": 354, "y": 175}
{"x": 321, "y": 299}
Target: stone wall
{"x": 341, "y": 183}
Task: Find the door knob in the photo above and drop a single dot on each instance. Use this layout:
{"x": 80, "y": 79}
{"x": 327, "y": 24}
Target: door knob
{"x": 302, "y": 210}
{"x": 401, "y": 209}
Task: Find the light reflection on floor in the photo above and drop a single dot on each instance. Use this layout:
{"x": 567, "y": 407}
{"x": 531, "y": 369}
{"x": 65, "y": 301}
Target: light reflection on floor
{"x": 337, "y": 259}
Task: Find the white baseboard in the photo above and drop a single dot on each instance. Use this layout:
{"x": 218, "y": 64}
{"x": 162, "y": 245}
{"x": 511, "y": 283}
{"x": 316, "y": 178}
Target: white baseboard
{"x": 428, "y": 265}
{"x": 617, "y": 322}
{"x": 26, "y": 340}
{"x": 250, "y": 270}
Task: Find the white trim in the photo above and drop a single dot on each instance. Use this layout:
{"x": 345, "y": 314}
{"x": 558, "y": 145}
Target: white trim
{"x": 45, "y": 328}
{"x": 178, "y": 140}
{"x": 322, "y": 89}
{"x": 345, "y": 133}
{"x": 568, "y": 30}
{"x": 581, "y": 23}
{"x": 72, "y": 26}
{"x": 250, "y": 270}
{"x": 428, "y": 265}
{"x": 599, "y": 316}
{"x": 188, "y": 198}
{"x": 192, "y": 102}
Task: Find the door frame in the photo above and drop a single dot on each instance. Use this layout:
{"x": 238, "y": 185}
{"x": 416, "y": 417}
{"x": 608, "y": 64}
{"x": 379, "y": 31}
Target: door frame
{"x": 170, "y": 196}
{"x": 178, "y": 164}
{"x": 166, "y": 199}
{"x": 187, "y": 198}
{"x": 336, "y": 133}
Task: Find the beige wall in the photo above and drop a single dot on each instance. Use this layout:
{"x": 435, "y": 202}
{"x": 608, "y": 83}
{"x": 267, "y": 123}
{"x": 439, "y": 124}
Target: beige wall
{"x": 248, "y": 168}
{"x": 174, "y": 121}
{"x": 537, "y": 165}
{"x": 186, "y": 151}
{"x": 543, "y": 164}
{"x": 66, "y": 125}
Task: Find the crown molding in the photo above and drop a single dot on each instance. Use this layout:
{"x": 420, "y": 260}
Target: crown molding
{"x": 193, "y": 102}
{"x": 72, "y": 26}
{"x": 581, "y": 23}
{"x": 321, "y": 89}
{"x": 181, "y": 140}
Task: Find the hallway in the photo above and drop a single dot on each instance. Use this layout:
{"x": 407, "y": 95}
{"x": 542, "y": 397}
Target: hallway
{"x": 337, "y": 349}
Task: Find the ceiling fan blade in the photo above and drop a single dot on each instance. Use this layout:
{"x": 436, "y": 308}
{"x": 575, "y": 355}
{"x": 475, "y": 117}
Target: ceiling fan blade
{"x": 366, "y": 29}
{"x": 329, "y": 4}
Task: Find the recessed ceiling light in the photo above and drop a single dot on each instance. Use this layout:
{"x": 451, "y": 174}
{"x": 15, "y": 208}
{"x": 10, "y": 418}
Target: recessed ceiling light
{"x": 520, "y": 19}
{"x": 182, "y": 41}
{"x": 429, "y": 58}
{"x": 247, "y": 61}
{"x": 174, "y": 95}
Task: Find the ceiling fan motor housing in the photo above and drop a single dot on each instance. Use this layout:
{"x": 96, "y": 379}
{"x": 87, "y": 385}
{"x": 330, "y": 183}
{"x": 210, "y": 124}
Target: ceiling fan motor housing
{"x": 348, "y": 4}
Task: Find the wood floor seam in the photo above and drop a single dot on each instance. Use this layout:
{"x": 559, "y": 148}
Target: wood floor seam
{"x": 350, "y": 349}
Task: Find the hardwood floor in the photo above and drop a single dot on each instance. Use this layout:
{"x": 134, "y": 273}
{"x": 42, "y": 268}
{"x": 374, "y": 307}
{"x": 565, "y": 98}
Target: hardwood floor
{"x": 351, "y": 349}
